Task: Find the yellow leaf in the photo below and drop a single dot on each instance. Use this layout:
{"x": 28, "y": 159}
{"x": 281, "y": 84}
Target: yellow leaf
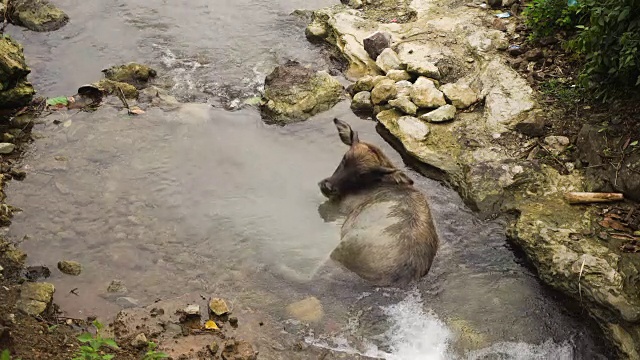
{"x": 211, "y": 325}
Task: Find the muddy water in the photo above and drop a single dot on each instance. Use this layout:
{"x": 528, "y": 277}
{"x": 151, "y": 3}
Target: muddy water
{"x": 208, "y": 201}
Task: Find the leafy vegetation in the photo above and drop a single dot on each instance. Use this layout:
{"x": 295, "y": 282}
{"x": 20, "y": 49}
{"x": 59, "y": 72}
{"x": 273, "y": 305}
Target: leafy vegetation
{"x": 546, "y": 17}
{"x": 605, "y": 33}
{"x": 5, "y": 355}
{"x": 92, "y": 351}
{"x": 152, "y": 354}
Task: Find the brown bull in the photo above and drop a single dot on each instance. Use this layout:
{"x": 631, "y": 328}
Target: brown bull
{"x": 388, "y": 237}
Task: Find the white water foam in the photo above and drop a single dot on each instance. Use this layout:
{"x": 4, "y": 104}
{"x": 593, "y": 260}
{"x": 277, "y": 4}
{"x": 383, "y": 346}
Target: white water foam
{"x": 524, "y": 351}
{"x": 416, "y": 334}
{"x": 413, "y": 334}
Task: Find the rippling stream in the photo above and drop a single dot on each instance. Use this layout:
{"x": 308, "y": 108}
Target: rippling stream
{"x": 205, "y": 200}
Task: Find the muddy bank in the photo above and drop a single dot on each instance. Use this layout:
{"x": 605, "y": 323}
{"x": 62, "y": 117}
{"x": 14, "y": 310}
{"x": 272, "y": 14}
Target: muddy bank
{"x": 443, "y": 90}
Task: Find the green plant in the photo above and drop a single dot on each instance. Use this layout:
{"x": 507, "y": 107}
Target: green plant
{"x": 152, "y": 354}
{"x": 608, "y": 38}
{"x": 5, "y": 355}
{"x": 546, "y": 17}
{"x": 95, "y": 343}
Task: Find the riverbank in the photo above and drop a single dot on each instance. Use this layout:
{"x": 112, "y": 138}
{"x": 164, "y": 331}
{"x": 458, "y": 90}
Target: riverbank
{"x": 460, "y": 92}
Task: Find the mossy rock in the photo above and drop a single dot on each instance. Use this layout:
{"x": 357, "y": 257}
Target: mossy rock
{"x": 38, "y": 15}
{"x": 295, "y": 93}
{"x": 12, "y": 63}
{"x": 20, "y": 95}
{"x": 110, "y": 87}
{"x": 134, "y": 74}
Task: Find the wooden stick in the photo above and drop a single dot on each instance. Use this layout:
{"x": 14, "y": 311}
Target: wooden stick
{"x": 590, "y": 197}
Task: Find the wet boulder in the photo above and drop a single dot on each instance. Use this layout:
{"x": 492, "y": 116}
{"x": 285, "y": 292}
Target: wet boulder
{"x": 19, "y": 95}
{"x": 295, "y": 93}
{"x": 70, "y": 267}
{"x": 15, "y": 90}
{"x": 37, "y": 15}
{"x": 134, "y": 74}
{"x": 110, "y": 87}
{"x": 35, "y": 298}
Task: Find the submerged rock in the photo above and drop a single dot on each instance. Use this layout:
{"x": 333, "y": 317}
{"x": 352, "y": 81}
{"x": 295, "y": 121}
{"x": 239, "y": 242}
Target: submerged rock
{"x": 117, "y": 286}
{"x": 295, "y": 93}
{"x": 37, "y": 15}
{"x": 35, "y": 298}
{"x": 425, "y": 94}
{"x": 307, "y": 310}
{"x": 127, "y": 302}
{"x": 111, "y": 87}
{"x": 134, "y": 74}
{"x": 376, "y": 43}
{"x": 441, "y": 114}
{"x": 70, "y": 267}
{"x": 238, "y": 350}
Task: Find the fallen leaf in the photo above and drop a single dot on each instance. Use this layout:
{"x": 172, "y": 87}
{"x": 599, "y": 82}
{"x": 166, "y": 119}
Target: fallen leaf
{"x": 613, "y": 224}
{"x": 60, "y": 101}
{"x": 211, "y": 325}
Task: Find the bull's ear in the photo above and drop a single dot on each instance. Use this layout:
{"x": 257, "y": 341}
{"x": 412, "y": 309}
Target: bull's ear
{"x": 397, "y": 175}
{"x": 380, "y": 171}
{"x": 347, "y": 135}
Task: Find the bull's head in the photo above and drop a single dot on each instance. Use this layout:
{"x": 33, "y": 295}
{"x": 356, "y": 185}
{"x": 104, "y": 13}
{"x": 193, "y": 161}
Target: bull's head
{"x": 362, "y": 166}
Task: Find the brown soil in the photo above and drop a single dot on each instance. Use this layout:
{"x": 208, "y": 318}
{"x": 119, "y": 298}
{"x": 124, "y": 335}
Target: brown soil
{"x": 553, "y": 72}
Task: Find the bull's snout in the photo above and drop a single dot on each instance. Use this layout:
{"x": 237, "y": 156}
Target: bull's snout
{"x": 326, "y": 188}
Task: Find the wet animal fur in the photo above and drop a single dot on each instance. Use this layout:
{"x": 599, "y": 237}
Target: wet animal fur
{"x": 388, "y": 237}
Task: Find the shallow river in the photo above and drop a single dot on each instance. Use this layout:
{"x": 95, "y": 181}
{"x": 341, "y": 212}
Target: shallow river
{"x": 205, "y": 200}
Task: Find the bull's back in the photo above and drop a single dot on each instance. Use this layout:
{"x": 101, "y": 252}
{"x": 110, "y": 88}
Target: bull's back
{"x": 389, "y": 239}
